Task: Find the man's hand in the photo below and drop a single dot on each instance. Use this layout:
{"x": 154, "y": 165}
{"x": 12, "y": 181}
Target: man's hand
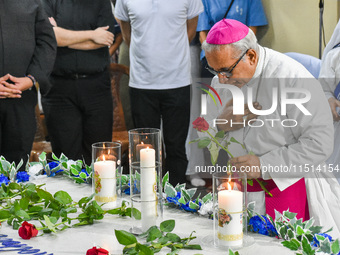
{"x": 19, "y": 83}
{"x": 250, "y": 164}
{"x": 333, "y": 103}
{"x": 52, "y": 21}
{"x": 102, "y": 36}
{"x": 227, "y": 114}
{"x": 9, "y": 90}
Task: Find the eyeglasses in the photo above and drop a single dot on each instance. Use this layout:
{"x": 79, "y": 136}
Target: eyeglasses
{"x": 226, "y": 72}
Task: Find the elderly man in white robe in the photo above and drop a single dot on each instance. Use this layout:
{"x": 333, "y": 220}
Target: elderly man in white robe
{"x": 286, "y": 126}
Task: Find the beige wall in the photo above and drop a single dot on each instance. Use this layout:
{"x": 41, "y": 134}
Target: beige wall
{"x": 294, "y": 25}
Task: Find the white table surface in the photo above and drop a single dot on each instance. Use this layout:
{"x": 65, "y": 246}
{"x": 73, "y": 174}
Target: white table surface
{"x": 78, "y": 240}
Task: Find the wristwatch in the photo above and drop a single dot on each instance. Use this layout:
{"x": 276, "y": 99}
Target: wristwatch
{"x": 34, "y": 81}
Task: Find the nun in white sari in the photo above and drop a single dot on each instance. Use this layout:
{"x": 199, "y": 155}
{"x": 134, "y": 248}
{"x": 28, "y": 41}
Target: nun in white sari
{"x": 290, "y": 143}
{"x": 329, "y": 78}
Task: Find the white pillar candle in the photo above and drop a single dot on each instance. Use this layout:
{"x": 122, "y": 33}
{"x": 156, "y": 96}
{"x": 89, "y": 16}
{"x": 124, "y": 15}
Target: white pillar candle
{"x": 148, "y": 188}
{"x": 230, "y": 228}
{"x": 105, "y": 182}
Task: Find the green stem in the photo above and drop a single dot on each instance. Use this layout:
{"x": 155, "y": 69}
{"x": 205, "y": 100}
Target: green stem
{"x": 263, "y": 187}
{"x": 218, "y": 143}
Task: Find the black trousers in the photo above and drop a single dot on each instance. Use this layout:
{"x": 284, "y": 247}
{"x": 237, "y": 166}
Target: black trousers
{"x": 173, "y": 107}
{"x": 18, "y": 126}
{"x": 78, "y": 113}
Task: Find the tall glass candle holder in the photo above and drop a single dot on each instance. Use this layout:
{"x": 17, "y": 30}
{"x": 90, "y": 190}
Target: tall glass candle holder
{"x": 145, "y": 160}
{"x": 230, "y": 210}
{"x": 106, "y": 167}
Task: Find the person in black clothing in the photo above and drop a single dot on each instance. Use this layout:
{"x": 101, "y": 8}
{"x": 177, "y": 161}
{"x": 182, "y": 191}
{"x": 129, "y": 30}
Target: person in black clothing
{"x": 78, "y": 109}
{"x": 27, "y": 54}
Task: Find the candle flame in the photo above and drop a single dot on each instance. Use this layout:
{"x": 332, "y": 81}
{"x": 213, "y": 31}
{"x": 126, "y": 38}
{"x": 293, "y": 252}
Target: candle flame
{"x": 142, "y": 143}
{"x": 103, "y": 157}
{"x": 147, "y": 148}
{"x": 229, "y": 187}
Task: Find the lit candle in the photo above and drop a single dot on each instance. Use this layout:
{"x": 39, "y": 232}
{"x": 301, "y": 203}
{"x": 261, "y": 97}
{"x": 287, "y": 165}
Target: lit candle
{"x": 148, "y": 188}
{"x": 230, "y": 227}
{"x": 141, "y": 146}
{"x": 105, "y": 182}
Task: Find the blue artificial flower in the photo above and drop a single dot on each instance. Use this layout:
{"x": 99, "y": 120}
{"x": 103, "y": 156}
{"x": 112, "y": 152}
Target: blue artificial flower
{"x": 53, "y": 165}
{"x": 175, "y": 199}
{"x": 22, "y": 176}
{"x": 188, "y": 209}
{"x": 3, "y": 179}
{"x": 316, "y": 242}
{"x": 135, "y": 189}
{"x": 83, "y": 171}
{"x": 185, "y": 207}
{"x": 257, "y": 225}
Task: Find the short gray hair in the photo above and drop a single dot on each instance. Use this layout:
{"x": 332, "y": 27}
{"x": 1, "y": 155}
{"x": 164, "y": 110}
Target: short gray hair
{"x": 248, "y": 42}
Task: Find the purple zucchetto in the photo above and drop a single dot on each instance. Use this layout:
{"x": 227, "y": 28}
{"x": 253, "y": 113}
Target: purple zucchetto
{"x": 227, "y": 31}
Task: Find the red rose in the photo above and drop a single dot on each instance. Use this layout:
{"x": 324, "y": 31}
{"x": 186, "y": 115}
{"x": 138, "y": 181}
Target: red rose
{"x": 201, "y": 124}
{"x": 97, "y": 251}
{"x": 27, "y": 230}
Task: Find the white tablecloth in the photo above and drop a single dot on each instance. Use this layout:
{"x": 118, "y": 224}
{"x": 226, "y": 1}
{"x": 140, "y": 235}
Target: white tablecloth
{"x": 78, "y": 240}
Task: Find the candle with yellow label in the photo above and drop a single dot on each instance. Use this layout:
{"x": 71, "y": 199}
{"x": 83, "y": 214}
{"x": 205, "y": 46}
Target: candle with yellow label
{"x": 148, "y": 188}
{"x": 230, "y": 227}
{"x": 105, "y": 182}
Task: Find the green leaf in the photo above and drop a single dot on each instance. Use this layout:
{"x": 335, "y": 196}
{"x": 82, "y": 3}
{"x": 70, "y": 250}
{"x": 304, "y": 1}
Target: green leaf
{"x": 207, "y": 197}
{"x": 193, "y": 205}
{"x": 114, "y": 211}
{"x": 315, "y": 229}
{"x": 325, "y": 246}
{"x": 291, "y": 234}
{"x": 214, "y": 151}
{"x": 289, "y": 215}
{"x": 124, "y": 237}
{"x": 153, "y": 234}
{"x": 283, "y": 231}
{"x": 292, "y": 244}
{"x": 173, "y": 237}
{"x": 182, "y": 200}
{"x": 63, "y": 197}
{"x": 74, "y": 171}
{"x": 35, "y": 209}
{"x": 167, "y": 226}
{"x": 203, "y": 143}
{"x": 4, "y": 214}
{"x": 192, "y": 247}
{"x": 335, "y": 247}
{"x": 136, "y": 214}
{"x": 24, "y": 203}
{"x": 306, "y": 247}
{"x": 165, "y": 239}
{"x": 14, "y": 186}
{"x": 191, "y": 192}
{"x": 42, "y": 157}
{"x": 309, "y": 223}
{"x": 165, "y": 179}
{"x": 185, "y": 194}
{"x": 233, "y": 140}
{"x": 179, "y": 187}
{"x": 144, "y": 249}
{"x": 44, "y": 195}
{"x": 83, "y": 175}
{"x": 49, "y": 224}
{"x": 194, "y": 141}
{"x": 170, "y": 190}
{"x": 55, "y": 157}
{"x": 299, "y": 230}
{"x": 220, "y": 134}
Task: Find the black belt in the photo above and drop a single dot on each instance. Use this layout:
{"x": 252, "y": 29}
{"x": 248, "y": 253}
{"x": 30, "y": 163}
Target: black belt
{"x": 76, "y": 76}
